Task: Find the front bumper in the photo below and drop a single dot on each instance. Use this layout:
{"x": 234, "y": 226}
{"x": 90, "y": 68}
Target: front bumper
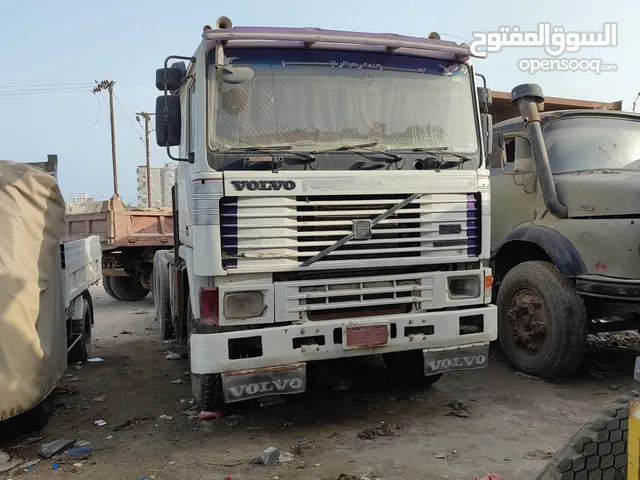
{"x": 210, "y": 353}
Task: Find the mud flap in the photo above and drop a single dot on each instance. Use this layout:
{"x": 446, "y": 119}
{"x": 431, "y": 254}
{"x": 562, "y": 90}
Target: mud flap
{"x": 468, "y": 357}
{"x": 262, "y": 382}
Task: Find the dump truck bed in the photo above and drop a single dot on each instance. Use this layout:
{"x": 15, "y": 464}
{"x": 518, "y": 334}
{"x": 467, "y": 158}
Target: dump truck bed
{"x": 119, "y": 228}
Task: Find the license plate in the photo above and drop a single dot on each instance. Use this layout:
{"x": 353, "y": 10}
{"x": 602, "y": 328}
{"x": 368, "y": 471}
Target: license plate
{"x": 460, "y": 358}
{"x": 367, "y": 336}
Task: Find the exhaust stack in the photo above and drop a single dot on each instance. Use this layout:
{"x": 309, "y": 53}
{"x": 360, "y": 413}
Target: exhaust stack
{"x": 527, "y": 97}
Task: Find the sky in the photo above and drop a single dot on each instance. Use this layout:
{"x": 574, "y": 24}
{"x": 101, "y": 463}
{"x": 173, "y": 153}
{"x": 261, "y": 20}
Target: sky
{"x": 79, "y": 42}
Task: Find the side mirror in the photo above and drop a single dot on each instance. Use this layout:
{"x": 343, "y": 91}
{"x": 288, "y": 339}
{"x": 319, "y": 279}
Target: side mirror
{"x": 485, "y": 98}
{"x": 486, "y": 121}
{"x": 497, "y": 157}
{"x": 168, "y": 129}
{"x": 173, "y": 76}
{"x": 236, "y": 75}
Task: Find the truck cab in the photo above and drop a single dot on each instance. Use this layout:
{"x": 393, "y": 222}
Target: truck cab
{"x": 565, "y": 231}
{"x": 331, "y": 201}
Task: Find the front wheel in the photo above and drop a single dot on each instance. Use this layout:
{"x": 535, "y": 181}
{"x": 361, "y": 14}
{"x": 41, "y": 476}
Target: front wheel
{"x": 542, "y": 321}
{"x": 206, "y": 388}
{"x": 408, "y": 368}
{"x": 81, "y": 350}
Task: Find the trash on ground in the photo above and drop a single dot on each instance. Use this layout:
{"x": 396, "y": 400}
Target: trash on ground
{"x": 177, "y": 382}
{"x": 538, "y": 455}
{"x": 270, "y": 456}
{"x": 81, "y": 443}
{"x": 5, "y": 467}
{"x": 288, "y": 424}
{"x": 27, "y": 441}
{"x": 440, "y": 455}
{"x": 285, "y": 457}
{"x": 30, "y": 464}
{"x": 80, "y": 452}
{"x": 173, "y": 356}
{"x": 165, "y": 417}
{"x": 77, "y": 465}
{"x": 488, "y": 477}
{"x": 131, "y": 423}
{"x": 55, "y": 466}
{"x": 74, "y": 379}
{"x": 48, "y": 450}
{"x": 99, "y": 423}
{"x": 613, "y": 387}
{"x": 382, "y": 431}
{"x": 524, "y": 376}
{"x": 108, "y": 437}
{"x": 4, "y": 457}
{"x": 95, "y": 360}
{"x": 204, "y": 415}
{"x": 125, "y": 332}
{"x": 98, "y": 399}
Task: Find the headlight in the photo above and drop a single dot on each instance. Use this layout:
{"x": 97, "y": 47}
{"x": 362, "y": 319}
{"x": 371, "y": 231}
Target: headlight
{"x": 464, "y": 287}
{"x": 243, "y": 305}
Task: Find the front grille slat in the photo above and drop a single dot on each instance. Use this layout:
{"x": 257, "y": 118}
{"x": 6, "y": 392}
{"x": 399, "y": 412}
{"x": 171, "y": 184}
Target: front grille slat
{"x": 282, "y": 232}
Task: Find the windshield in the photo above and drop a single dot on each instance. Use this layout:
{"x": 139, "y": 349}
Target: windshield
{"x": 585, "y": 143}
{"x": 328, "y": 99}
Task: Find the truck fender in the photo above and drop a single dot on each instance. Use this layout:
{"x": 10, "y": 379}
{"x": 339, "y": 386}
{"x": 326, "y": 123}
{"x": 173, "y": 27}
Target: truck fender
{"x": 554, "y": 244}
{"x": 76, "y": 309}
{"x": 195, "y": 282}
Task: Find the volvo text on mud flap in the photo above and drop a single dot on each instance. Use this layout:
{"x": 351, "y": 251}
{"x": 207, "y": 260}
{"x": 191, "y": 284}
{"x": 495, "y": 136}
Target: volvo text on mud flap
{"x": 446, "y": 360}
{"x": 260, "y": 384}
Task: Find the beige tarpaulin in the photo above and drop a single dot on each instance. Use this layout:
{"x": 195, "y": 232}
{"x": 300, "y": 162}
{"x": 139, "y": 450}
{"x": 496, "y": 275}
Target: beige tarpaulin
{"x": 33, "y": 346}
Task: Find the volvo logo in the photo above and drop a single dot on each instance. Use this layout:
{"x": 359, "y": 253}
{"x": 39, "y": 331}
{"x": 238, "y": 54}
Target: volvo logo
{"x": 255, "y": 185}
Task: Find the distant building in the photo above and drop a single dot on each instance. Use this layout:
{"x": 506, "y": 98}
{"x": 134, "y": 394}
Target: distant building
{"x": 162, "y": 179}
{"x": 83, "y": 203}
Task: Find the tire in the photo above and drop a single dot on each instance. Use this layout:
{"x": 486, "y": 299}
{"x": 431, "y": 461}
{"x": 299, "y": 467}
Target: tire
{"x": 206, "y": 388}
{"x": 106, "y": 284}
{"x": 128, "y": 289}
{"x": 81, "y": 350}
{"x": 542, "y": 321}
{"x": 598, "y": 450}
{"x": 34, "y": 419}
{"x": 161, "y": 294}
{"x": 407, "y": 368}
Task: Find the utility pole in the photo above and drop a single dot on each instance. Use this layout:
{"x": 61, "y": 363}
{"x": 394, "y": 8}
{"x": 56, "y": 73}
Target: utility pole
{"x": 108, "y": 85}
{"x": 147, "y": 120}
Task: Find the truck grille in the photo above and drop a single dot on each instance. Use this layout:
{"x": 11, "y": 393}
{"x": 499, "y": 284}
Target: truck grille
{"x": 282, "y": 232}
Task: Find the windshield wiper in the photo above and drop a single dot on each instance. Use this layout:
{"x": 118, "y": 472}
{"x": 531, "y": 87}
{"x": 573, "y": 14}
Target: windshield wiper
{"x": 438, "y": 162}
{"x": 392, "y": 157}
{"x": 436, "y": 151}
{"x": 282, "y": 149}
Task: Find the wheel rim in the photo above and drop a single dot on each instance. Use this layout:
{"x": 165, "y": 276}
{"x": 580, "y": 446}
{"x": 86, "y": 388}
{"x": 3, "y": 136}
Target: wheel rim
{"x": 529, "y": 321}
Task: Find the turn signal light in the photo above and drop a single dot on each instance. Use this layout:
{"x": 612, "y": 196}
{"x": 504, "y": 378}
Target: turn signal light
{"x": 209, "y": 306}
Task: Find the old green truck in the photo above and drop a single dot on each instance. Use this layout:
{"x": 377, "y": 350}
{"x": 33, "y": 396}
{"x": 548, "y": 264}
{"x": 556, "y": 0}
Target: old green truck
{"x": 565, "y": 231}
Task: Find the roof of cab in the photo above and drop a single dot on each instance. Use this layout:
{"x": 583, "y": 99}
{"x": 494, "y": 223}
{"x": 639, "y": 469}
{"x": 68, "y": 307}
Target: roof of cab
{"x": 516, "y": 123}
{"x": 316, "y": 38}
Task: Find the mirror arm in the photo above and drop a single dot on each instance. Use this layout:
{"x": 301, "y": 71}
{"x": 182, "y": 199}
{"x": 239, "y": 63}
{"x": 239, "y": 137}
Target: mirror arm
{"x": 165, "y": 116}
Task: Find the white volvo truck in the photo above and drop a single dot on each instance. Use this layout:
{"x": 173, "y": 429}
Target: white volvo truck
{"x": 331, "y": 201}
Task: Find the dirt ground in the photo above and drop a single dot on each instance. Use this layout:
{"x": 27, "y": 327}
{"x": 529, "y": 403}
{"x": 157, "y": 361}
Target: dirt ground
{"x": 508, "y": 416}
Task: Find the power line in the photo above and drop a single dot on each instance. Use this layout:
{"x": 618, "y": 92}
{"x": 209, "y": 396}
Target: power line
{"x": 129, "y": 119}
{"x": 40, "y": 92}
{"x": 53, "y": 85}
